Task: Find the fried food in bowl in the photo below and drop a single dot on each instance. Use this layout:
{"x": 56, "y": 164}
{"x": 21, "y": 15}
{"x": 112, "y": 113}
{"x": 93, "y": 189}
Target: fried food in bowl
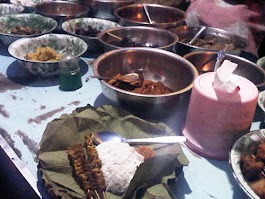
{"x": 45, "y": 47}
{"x": 44, "y": 54}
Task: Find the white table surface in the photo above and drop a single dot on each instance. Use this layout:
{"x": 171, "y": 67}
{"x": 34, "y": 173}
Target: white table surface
{"x": 27, "y": 104}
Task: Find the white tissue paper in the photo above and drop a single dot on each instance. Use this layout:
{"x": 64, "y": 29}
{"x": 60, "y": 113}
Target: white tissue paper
{"x": 224, "y": 79}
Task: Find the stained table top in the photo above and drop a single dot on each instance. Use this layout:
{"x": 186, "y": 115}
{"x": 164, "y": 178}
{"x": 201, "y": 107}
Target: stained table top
{"x": 28, "y": 104}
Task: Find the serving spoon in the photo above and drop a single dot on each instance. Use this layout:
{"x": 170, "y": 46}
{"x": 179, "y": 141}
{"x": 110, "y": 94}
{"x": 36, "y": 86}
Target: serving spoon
{"x": 115, "y": 36}
{"x": 219, "y": 60}
{"x": 147, "y": 13}
{"x": 197, "y": 35}
{"x": 104, "y": 136}
{"x": 129, "y": 77}
{"x": 123, "y": 39}
{"x": 134, "y": 76}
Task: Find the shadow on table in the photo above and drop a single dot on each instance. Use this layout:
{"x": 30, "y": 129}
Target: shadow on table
{"x": 181, "y": 187}
{"x": 225, "y": 166}
{"x": 92, "y": 55}
{"x": 102, "y": 100}
{"x": 259, "y": 115}
{"x": 45, "y": 194}
{"x": 4, "y": 50}
{"x": 19, "y": 75}
{"x": 174, "y": 118}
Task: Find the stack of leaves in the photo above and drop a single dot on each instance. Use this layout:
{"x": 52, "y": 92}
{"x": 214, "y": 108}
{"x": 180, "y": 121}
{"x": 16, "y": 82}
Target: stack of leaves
{"x": 152, "y": 179}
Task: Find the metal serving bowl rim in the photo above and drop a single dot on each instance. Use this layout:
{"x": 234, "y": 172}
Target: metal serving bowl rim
{"x": 176, "y": 38}
{"x": 32, "y": 35}
{"x": 45, "y": 35}
{"x": 151, "y": 5}
{"x": 85, "y": 11}
{"x": 212, "y": 28}
{"x": 114, "y": 1}
{"x": 234, "y": 56}
{"x": 171, "y": 54}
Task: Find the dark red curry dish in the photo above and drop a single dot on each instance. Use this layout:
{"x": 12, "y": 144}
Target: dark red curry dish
{"x": 140, "y": 86}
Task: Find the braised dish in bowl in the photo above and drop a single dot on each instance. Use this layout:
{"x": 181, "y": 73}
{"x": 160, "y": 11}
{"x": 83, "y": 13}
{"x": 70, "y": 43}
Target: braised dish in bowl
{"x": 247, "y": 163}
{"x": 156, "y": 65}
{"x": 88, "y": 29}
{"x": 17, "y": 26}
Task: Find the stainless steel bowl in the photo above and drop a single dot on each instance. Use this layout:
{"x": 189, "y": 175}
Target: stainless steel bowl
{"x": 158, "y": 65}
{"x": 161, "y": 16}
{"x": 204, "y": 61}
{"x": 221, "y": 39}
{"x": 174, "y": 3}
{"x": 104, "y": 9}
{"x": 62, "y": 10}
{"x": 137, "y": 36}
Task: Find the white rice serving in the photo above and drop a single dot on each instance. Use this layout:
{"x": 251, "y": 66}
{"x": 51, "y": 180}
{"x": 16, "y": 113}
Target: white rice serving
{"x": 119, "y": 164}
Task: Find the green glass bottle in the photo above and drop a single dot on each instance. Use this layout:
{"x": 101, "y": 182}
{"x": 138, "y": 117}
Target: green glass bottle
{"x": 70, "y": 76}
